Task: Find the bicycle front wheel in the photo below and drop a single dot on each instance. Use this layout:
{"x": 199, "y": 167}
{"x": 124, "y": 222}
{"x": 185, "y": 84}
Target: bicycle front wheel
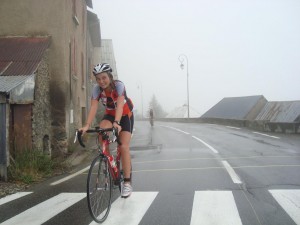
{"x": 99, "y": 189}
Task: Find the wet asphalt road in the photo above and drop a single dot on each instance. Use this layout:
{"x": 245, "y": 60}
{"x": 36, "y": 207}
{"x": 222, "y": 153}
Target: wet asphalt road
{"x": 181, "y": 164}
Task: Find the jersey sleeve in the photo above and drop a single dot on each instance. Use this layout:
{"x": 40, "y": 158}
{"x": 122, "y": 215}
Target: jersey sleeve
{"x": 120, "y": 88}
{"x": 95, "y": 92}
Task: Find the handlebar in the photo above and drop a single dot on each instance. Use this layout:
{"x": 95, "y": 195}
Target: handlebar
{"x": 99, "y": 130}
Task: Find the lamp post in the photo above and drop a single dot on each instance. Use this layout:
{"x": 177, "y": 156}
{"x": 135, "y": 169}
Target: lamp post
{"x": 140, "y": 86}
{"x": 181, "y": 59}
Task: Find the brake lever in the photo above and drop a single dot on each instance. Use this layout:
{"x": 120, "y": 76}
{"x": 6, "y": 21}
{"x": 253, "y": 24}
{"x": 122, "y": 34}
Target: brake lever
{"x": 76, "y": 136}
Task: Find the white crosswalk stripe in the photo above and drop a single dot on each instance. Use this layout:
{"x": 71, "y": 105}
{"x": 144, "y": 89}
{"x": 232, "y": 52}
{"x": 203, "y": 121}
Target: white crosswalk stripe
{"x": 138, "y": 202}
{"x": 12, "y": 197}
{"x": 289, "y": 201}
{"x": 209, "y": 207}
{"x": 41, "y": 213}
{"x": 214, "y": 207}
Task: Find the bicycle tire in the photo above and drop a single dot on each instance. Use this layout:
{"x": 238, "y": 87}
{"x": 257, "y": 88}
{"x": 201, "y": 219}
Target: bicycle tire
{"x": 99, "y": 189}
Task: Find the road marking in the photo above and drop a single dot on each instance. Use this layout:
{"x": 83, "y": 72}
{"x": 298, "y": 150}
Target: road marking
{"x": 181, "y": 169}
{"x": 237, "y": 128}
{"x": 235, "y": 178}
{"x": 46, "y": 210}
{"x": 203, "y": 142}
{"x": 266, "y": 166}
{"x": 70, "y": 176}
{"x": 12, "y": 197}
{"x": 213, "y": 158}
{"x": 212, "y": 167}
{"x": 175, "y": 129}
{"x": 289, "y": 201}
{"x": 131, "y": 210}
{"x": 266, "y": 135}
{"x": 214, "y": 207}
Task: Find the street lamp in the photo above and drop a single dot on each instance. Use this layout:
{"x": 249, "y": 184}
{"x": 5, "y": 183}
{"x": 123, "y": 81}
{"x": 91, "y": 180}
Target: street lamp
{"x": 140, "y": 86}
{"x": 181, "y": 60}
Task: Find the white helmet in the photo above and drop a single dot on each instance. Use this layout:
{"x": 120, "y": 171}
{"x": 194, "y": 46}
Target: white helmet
{"x": 104, "y": 67}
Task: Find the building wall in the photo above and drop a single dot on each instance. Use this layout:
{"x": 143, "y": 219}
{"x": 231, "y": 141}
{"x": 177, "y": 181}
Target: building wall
{"x": 107, "y": 55}
{"x": 256, "y": 109}
{"x": 41, "y": 115}
{"x": 67, "y": 56}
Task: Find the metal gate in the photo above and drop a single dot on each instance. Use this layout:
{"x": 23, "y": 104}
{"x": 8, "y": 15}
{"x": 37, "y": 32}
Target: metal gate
{"x": 21, "y": 128}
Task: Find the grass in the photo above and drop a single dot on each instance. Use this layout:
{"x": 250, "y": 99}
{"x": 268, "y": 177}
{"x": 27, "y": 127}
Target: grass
{"x": 29, "y": 166}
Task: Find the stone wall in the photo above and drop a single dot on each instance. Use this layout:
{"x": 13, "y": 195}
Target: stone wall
{"x": 41, "y": 118}
{"x": 259, "y": 125}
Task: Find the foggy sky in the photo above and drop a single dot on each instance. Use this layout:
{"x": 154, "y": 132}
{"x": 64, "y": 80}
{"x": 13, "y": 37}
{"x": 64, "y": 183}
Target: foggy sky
{"x": 234, "y": 48}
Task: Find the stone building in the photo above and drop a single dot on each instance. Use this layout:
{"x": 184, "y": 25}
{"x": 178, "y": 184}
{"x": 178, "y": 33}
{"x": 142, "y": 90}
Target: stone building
{"x": 73, "y": 32}
{"x": 24, "y": 102}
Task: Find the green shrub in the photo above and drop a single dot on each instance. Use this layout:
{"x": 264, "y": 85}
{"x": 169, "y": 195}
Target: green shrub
{"x": 30, "y": 166}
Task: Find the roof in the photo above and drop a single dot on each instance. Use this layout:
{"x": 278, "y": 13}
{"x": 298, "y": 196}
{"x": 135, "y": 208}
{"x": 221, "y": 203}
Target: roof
{"x": 21, "y": 55}
{"x": 233, "y": 107}
{"x": 281, "y": 111}
{"x": 7, "y": 83}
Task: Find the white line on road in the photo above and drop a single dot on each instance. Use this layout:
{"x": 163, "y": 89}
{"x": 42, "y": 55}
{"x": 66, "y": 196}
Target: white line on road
{"x": 214, "y": 207}
{"x": 12, "y": 197}
{"x": 235, "y": 178}
{"x": 290, "y": 202}
{"x": 175, "y": 129}
{"x": 266, "y": 135}
{"x": 237, "y": 128}
{"x": 130, "y": 211}
{"x": 203, "y": 142}
{"x": 46, "y": 210}
{"x": 71, "y": 176}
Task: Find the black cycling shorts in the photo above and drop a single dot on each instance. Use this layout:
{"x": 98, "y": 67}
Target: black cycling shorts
{"x": 126, "y": 121}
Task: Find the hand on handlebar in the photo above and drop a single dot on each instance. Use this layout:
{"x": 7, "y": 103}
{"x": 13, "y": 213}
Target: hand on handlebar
{"x": 118, "y": 127}
{"x": 83, "y": 129}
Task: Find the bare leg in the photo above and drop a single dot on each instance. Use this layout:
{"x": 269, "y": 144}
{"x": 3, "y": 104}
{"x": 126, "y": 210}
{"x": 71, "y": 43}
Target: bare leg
{"x": 104, "y": 124}
{"x": 125, "y": 138}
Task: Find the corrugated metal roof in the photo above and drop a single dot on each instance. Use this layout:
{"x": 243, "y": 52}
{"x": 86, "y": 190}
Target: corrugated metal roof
{"x": 233, "y": 107}
{"x": 7, "y": 83}
{"x": 285, "y": 112}
{"x": 21, "y": 55}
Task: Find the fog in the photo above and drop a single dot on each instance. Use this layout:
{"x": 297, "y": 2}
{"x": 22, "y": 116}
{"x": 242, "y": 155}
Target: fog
{"x": 234, "y": 48}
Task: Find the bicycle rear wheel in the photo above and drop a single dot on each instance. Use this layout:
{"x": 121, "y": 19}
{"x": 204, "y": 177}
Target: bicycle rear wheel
{"x": 99, "y": 189}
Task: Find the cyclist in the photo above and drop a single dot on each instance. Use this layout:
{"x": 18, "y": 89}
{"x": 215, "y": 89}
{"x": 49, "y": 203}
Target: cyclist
{"x": 118, "y": 114}
{"x": 151, "y": 117}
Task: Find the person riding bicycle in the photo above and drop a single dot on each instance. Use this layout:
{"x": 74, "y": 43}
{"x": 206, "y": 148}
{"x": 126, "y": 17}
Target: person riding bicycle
{"x": 151, "y": 117}
{"x": 118, "y": 114}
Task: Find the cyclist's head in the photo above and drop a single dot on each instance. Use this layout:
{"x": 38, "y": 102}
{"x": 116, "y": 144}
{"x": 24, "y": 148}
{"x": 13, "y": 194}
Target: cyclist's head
{"x": 100, "y": 68}
{"x": 103, "y": 75}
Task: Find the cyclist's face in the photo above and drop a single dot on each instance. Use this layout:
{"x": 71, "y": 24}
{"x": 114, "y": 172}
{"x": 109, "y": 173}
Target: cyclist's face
{"x": 103, "y": 80}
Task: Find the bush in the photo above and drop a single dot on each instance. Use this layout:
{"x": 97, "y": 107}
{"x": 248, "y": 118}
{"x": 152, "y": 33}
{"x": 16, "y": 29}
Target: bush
{"x": 30, "y": 166}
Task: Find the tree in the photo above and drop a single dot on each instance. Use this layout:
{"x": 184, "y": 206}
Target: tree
{"x": 156, "y": 107}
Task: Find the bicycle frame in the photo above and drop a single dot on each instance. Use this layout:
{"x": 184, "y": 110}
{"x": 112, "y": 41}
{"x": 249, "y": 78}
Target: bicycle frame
{"x": 102, "y": 135}
{"x": 114, "y": 169}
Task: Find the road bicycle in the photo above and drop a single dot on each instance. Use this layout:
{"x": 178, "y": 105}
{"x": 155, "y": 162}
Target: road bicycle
{"x": 151, "y": 121}
{"x": 104, "y": 174}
